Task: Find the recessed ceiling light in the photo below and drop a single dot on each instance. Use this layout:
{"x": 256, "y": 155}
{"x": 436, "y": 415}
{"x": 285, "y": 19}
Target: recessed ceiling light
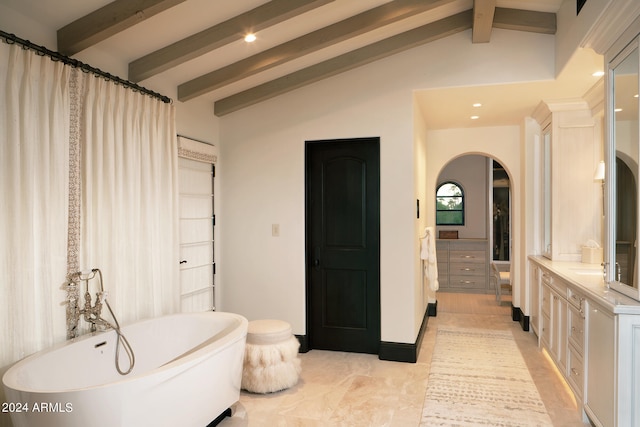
{"x": 635, "y": 96}
{"x": 475, "y": 117}
{"x": 250, "y": 38}
{"x": 477, "y": 104}
{"x": 617, "y": 110}
{"x": 598, "y": 74}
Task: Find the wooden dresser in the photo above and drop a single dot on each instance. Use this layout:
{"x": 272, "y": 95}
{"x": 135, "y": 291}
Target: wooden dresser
{"x": 463, "y": 265}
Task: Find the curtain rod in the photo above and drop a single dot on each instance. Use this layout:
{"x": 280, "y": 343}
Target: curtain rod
{"x": 57, "y": 56}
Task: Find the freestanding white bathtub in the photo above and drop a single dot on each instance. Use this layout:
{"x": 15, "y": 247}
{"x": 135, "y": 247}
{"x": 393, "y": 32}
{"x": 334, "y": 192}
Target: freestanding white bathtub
{"x": 188, "y": 370}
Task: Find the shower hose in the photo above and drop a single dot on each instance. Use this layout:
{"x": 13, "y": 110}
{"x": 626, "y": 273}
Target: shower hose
{"x": 122, "y": 340}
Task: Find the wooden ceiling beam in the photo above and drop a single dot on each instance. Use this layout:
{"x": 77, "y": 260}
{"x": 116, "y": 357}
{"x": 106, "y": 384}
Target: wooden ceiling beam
{"x": 483, "y": 11}
{"x": 359, "y": 24}
{"x": 348, "y": 61}
{"x": 525, "y": 20}
{"x": 264, "y": 16}
{"x": 106, "y": 22}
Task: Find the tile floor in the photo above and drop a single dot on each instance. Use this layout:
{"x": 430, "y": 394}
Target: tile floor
{"x": 349, "y": 389}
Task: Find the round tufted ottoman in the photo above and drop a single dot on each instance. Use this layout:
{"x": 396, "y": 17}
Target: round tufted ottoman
{"x": 271, "y": 360}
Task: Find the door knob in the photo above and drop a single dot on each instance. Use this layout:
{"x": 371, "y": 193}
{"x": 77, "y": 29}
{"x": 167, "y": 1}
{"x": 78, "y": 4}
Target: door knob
{"x": 316, "y": 257}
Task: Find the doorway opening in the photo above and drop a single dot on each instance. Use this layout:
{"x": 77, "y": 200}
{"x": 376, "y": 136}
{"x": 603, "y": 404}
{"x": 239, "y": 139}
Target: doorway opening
{"x": 483, "y": 236}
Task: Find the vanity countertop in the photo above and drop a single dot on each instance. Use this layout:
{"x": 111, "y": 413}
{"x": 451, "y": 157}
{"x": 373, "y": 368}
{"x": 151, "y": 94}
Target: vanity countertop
{"x": 588, "y": 278}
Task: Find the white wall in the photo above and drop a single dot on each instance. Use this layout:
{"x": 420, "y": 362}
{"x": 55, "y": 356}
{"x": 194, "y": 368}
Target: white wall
{"x": 262, "y": 170}
{"x": 573, "y": 28}
{"x": 261, "y": 164}
{"x": 263, "y": 183}
{"x": 501, "y": 143}
{"x": 422, "y": 294}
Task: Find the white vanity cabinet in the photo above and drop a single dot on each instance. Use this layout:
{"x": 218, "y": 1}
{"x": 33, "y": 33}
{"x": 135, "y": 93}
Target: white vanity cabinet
{"x": 613, "y": 368}
{"x": 600, "y": 398}
{"x": 555, "y": 330}
{"x": 593, "y": 336}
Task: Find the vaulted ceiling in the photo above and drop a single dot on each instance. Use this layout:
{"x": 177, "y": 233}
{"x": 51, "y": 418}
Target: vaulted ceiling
{"x": 198, "y": 45}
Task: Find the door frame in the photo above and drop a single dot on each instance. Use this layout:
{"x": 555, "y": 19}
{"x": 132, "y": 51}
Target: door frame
{"x": 306, "y": 342}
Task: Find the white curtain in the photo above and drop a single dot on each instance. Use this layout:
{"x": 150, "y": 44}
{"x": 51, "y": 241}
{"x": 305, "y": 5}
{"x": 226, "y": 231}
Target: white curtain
{"x": 129, "y": 205}
{"x": 34, "y": 134}
{"x": 63, "y": 130}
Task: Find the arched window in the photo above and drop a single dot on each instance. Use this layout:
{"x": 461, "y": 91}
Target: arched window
{"x": 449, "y": 204}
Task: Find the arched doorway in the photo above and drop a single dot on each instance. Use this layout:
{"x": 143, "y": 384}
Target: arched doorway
{"x": 484, "y": 235}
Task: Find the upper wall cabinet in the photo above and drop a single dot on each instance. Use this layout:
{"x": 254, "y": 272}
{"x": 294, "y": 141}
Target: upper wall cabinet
{"x": 570, "y": 199}
{"x": 623, "y": 70}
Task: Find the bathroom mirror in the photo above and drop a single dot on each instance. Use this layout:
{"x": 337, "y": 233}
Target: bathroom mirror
{"x": 622, "y": 171}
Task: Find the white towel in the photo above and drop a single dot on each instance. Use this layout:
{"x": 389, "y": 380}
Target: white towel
{"x": 428, "y": 253}
{"x": 424, "y": 245}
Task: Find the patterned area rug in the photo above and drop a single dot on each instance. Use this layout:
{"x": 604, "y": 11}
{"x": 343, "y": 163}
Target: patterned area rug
{"x": 479, "y": 378}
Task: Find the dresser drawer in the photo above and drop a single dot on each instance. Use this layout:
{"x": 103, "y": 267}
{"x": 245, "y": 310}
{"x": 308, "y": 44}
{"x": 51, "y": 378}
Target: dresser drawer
{"x": 576, "y": 329}
{"x": 467, "y": 282}
{"x": 575, "y": 299}
{"x": 575, "y": 371}
{"x": 545, "y": 304}
{"x": 467, "y": 256}
{"x": 467, "y": 269}
{"x": 559, "y": 286}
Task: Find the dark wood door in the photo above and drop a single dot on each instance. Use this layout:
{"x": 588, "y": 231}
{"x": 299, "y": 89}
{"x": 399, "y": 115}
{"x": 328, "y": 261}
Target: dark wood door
{"x": 343, "y": 244}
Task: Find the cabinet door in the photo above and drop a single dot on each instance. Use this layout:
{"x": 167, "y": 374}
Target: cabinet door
{"x": 560, "y": 330}
{"x": 600, "y": 393}
{"x": 628, "y": 381}
{"x": 535, "y": 298}
{"x": 545, "y": 317}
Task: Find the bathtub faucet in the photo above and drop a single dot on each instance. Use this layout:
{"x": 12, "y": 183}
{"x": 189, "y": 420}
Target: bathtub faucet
{"x": 91, "y": 312}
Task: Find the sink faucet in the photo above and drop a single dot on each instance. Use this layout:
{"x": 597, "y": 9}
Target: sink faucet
{"x": 618, "y": 272}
